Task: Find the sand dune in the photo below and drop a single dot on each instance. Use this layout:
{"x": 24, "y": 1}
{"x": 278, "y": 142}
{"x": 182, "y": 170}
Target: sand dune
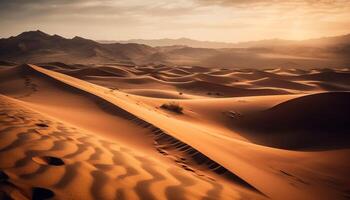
{"x": 329, "y": 76}
{"x": 103, "y": 135}
{"x": 7, "y": 63}
{"x": 293, "y": 124}
{"x": 279, "y": 83}
{"x": 208, "y": 88}
{"x": 60, "y": 65}
{"x": 98, "y": 71}
{"x": 164, "y": 94}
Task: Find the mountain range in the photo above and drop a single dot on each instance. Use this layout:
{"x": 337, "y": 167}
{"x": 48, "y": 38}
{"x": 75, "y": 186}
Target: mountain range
{"x": 174, "y": 42}
{"x": 37, "y": 47}
{"x": 217, "y": 45}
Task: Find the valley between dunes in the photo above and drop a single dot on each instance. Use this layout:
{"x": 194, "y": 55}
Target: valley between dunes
{"x": 100, "y": 132}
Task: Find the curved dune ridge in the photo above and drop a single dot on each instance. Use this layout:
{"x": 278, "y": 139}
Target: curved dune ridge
{"x": 278, "y": 83}
{"x": 116, "y": 142}
{"x": 165, "y": 94}
{"x": 48, "y": 160}
{"x": 314, "y": 121}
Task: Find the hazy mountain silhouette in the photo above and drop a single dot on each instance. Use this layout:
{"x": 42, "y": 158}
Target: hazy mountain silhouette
{"x": 325, "y": 41}
{"x": 177, "y": 42}
{"x": 37, "y": 46}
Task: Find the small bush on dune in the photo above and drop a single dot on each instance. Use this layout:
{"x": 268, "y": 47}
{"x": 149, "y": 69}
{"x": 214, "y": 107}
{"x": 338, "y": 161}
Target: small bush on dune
{"x": 172, "y": 106}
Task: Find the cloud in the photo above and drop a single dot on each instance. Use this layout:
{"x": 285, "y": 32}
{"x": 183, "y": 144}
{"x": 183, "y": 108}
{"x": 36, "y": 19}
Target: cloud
{"x": 274, "y": 2}
{"x": 92, "y": 7}
{"x": 228, "y": 20}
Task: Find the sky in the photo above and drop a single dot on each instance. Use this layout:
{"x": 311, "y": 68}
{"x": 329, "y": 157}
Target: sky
{"x": 211, "y": 20}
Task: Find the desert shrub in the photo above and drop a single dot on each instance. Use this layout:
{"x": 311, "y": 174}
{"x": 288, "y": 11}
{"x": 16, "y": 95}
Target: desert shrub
{"x": 172, "y": 106}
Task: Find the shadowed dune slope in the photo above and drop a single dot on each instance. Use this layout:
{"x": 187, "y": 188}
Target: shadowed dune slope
{"x": 313, "y": 121}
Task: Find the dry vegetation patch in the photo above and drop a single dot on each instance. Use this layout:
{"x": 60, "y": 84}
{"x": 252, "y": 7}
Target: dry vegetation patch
{"x": 173, "y": 107}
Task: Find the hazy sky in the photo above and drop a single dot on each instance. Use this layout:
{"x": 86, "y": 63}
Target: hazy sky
{"x": 215, "y": 20}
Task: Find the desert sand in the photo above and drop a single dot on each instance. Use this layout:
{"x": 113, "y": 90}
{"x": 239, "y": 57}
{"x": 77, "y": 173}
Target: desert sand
{"x": 102, "y": 132}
